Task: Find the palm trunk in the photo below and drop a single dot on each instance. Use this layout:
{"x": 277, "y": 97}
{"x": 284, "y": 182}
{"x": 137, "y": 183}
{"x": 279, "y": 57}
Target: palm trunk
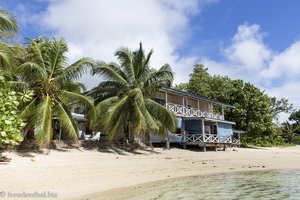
{"x": 130, "y": 133}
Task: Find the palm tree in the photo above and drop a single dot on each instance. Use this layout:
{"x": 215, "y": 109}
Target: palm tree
{"x": 8, "y": 23}
{"x": 125, "y": 95}
{"x": 51, "y": 81}
{"x": 8, "y": 27}
{"x": 289, "y": 131}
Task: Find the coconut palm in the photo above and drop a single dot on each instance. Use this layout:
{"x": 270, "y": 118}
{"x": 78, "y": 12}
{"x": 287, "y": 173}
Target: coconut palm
{"x": 51, "y": 80}
{"x": 8, "y": 27}
{"x": 125, "y": 95}
{"x": 8, "y": 23}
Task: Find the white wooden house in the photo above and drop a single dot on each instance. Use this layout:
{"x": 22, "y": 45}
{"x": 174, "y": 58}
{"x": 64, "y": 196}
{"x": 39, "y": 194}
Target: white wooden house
{"x": 201, "y": 121}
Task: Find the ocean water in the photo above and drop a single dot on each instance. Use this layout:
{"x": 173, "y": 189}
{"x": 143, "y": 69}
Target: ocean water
{"x": 277, "y": 184}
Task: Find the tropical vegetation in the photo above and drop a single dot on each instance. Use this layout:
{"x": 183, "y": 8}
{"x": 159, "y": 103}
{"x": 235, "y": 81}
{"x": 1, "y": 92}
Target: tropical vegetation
{"x": 10, "y": 122}
{"x": 255, "y": 112}
{"x": 39, "y": 88}
{"x": 125, "y": 96}
{"x": 46, "y": 73}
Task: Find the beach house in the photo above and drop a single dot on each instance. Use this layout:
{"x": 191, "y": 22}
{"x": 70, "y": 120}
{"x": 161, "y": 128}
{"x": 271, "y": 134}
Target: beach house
{"x": 201, "y": 121}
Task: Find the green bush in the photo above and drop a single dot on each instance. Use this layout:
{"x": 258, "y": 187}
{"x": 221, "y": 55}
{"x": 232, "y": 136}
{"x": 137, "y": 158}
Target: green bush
{"x": 263, "y": 141}
{"x": 296, "y": 139}
{"x": 10, "y": 122}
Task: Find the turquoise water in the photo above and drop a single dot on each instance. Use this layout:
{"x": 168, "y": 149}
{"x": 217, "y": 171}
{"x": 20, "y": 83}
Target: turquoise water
{"x": 282, "y": 184}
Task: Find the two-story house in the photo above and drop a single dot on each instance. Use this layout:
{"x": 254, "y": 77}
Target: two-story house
{"x": 200, "y": 120}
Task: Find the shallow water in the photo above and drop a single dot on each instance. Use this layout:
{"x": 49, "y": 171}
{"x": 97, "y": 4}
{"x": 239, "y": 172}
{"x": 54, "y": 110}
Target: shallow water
{"x": 279, "y": 184}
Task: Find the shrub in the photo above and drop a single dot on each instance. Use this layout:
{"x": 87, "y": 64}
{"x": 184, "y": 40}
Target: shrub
{"x": 10, "y": 122}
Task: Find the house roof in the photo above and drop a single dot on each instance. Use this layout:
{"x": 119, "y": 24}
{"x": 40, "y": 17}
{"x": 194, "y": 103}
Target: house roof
{"x": 197, "y": 97}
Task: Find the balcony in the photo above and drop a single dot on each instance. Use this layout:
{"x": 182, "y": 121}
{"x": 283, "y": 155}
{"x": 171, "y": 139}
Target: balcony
{"x": 184, "y": 111}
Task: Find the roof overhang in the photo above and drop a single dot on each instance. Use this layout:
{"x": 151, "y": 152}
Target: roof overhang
{"x": 215, "y": 102}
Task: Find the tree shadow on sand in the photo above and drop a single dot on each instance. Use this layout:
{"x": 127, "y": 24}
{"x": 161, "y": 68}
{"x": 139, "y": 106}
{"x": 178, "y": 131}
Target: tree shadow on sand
{"x": 121, "y": 148}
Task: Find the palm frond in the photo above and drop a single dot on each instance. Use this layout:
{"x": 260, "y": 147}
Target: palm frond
{"x": 112, "y": 117}
{"x": 125, "y": 56}
{"x": 66, "y": 120}
{"x": 8, "y": 23}
{"x": 32, "y": 70}
{"x": 18, "y": 85}
{"x": 76, "y": 87}
{"x": 77, "y": 69}
{"x": 57, "y": 50}
{"x": 87, "y": 102}
{"x": 166, "y": 118}
{"x": 6, "y": 57}
{"x": 108, "y": 73}
{"x": 42, "y": 119}
{"x": 36, "y": 54}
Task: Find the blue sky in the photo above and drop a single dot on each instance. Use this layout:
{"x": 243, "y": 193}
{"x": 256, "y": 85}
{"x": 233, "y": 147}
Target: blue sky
{"x": 210, "y": 28}
{"x": 279, "y": 20}
{"x": 256, "y": 40}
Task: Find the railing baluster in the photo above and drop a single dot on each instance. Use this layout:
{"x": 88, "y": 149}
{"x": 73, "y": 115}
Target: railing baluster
{"x": 192, "y": 112}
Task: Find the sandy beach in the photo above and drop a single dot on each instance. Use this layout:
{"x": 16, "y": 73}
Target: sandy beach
{"x": 84, "y": 174}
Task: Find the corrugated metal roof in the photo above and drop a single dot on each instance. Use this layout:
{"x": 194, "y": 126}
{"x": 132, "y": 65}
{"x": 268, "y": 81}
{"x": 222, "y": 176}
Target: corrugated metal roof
{"x": 197, "y": 97}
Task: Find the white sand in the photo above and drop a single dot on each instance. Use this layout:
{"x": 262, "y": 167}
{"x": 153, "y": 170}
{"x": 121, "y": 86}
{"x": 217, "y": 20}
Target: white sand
{"x": 77, "y": 174}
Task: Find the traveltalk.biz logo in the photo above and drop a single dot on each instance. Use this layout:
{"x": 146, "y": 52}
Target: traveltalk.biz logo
{"x": 44, "y": 194}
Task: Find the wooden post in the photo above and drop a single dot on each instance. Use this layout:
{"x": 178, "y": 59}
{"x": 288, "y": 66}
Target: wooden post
{"x": 183, "y": 106}
{"x": 203, "y": 130}
{"x": 223, "y": 112}
{"x": 203, "y": 135}
{"x": 168, "y": 143}
{"x": 198, "y": 106}
{"x": 215, "y": 147}
{"x": 60, "y": 127}
{"x": 166, "y": 97}
{"x": 184, "y": 139}
{"x": 239, "y": 137}
{"x": 167, "y": 140}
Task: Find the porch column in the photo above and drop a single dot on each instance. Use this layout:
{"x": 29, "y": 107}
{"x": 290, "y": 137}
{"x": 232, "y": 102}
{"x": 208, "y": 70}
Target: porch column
{"x": 198, "y": 108}
{"x": 183, "y": 106}
{"x": 184, "y": 139}
{"x": 217, "y": 124}
{"x": 223, "y": 111}
{"x": 183, "y": 132}
{"x": 203, "y": 135}
{"x": 166, "y": 98}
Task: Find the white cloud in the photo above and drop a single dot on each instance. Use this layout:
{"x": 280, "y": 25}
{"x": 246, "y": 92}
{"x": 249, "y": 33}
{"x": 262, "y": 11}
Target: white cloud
{"x": 248, "y": 49}
{"x": 98, "y": 28}
{"x": 249, "y": 58}
{"x": 245, "y": 57}
{"x": 285, "y": 64}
